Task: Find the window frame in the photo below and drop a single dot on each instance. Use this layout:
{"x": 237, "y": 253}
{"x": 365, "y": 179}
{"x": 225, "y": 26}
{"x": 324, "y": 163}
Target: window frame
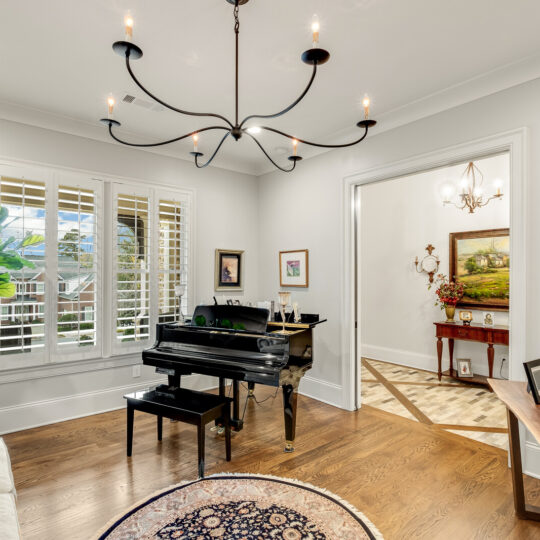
{"x": 28, "y": 366}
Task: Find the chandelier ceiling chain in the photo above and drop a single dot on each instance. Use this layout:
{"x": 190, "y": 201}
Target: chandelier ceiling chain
{"x": 314, "y": 57}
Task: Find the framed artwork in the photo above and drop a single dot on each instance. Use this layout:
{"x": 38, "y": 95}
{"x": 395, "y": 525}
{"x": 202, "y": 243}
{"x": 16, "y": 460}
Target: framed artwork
{"x": 294, "y": 268}
{"x": 532, "y": 369}
{"x": 488, "y": 318}
{"x": 464, "y": 367}
{"x": 228, "y": 270}
{"x": 481, "y": 261}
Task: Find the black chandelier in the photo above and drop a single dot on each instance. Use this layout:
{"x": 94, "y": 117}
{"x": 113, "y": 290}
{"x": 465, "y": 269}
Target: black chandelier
{"x": 313, "y": 57}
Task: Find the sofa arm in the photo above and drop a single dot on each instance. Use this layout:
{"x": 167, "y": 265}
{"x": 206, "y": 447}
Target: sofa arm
{"x": 9, "y": 524}
{"x": 7, "y": 485}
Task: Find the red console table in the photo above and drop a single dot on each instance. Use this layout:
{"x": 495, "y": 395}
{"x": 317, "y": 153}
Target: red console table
{"x": 491, "y": 335}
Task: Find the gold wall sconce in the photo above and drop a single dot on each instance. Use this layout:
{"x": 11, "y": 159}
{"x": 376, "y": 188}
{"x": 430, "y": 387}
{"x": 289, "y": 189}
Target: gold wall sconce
{"x": 429, "y": 264}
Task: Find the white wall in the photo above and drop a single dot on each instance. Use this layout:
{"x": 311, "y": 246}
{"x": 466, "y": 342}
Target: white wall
{"x": 304, "y": 209}
{"x": 398, "y": 219}
{"x": 226, "y": 217}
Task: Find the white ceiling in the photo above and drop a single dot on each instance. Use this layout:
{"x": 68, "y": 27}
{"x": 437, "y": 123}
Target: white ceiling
{"x": 57, "y": 66}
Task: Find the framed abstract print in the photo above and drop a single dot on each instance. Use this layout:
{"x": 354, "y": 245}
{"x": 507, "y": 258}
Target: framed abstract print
{"x": 480, "y": 260}
{"x": 294, "y": 268}
{"x": 228, "y": 270}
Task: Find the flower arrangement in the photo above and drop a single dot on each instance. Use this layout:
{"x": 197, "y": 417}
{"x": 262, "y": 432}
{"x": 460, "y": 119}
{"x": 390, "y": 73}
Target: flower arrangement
{"x": 449, "y": 293}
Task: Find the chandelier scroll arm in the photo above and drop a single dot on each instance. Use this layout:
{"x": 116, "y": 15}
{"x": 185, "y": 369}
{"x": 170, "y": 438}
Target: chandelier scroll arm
{"x": 310, "y": 143}
{"x": 291, "y": 106}
{"x": 161, "y": 102}
{"x": 197, "y": 154}
{"x": 270, "y": 159}
{"x": 161, "y": 143}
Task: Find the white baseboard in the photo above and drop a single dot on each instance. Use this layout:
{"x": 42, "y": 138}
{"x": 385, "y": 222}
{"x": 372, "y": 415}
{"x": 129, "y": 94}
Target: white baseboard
{"x": 50, "y": 411}
{"x": 329, "y": 393}
{"x": 418, "y": 360}
{"x": 401, "y": 357}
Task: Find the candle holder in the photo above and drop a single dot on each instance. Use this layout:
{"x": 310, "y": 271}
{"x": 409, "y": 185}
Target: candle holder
{"x": 284, "y": 300}
{"x": 179, "y": 291}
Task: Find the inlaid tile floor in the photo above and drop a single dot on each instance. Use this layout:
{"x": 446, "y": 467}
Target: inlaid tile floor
{"x": 466, "y": 410}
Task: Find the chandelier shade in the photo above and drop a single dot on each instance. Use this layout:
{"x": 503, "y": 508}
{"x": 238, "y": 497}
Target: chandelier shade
{"x": 236, "y": 129}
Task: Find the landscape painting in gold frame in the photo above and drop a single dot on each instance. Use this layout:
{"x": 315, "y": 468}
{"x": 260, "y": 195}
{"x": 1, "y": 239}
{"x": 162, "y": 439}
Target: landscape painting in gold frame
{"x": 480, "y": 260}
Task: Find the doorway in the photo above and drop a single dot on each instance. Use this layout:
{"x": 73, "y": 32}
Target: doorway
{"x": 512, "y": 142}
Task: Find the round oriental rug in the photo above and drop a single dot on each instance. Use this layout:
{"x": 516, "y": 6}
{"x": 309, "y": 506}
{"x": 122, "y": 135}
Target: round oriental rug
{"x": 242, "y": 507}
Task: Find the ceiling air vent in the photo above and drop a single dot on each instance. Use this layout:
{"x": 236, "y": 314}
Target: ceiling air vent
{"x": 144, "y": 104}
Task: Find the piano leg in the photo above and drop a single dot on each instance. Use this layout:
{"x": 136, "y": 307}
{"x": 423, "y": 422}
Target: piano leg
{"x": 236, "y": 422}
{"x": 290, "y": 397}
{"x": 174, "y": 381}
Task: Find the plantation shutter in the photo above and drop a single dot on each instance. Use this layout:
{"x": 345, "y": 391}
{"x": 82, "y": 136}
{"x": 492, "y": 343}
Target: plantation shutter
{"x": 22, "y": 277}
{"x": 77, "y": 258}
{"x": 131, "y": 268}
{"x": 173, "y": 258}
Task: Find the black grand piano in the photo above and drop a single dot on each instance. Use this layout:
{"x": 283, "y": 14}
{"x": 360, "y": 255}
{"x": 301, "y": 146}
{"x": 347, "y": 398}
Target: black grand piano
{"x": 237, "y": 343}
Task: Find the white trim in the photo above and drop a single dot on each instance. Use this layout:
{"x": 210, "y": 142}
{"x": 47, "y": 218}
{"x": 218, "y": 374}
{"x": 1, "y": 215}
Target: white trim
{"x": 516, "y": 143}
{"x": 44, "y": 371}
{"x": 320, "y": 390}
{"x": 50, "y": 411}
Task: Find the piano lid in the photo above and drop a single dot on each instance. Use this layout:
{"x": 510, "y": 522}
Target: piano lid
{"x": 246, "y": 318}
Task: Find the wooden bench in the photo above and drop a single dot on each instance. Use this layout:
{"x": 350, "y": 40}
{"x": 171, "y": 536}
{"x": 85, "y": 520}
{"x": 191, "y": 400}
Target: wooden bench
{"x": 196, "y": 408}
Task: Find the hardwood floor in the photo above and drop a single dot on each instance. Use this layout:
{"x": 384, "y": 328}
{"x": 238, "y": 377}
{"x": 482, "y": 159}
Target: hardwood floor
{"x": 412, "y": 480}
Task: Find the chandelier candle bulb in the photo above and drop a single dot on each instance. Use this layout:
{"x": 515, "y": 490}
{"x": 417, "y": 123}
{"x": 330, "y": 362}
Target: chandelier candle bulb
{"x": 295, "y": 147}
{"x": 315, "y": 28}
{"x": 110, "y": 104}
{"x": 498, "y": 186}
{"x": 195, "y": 143}
{"x": 128, "y": 23}
{"x": 366, "y": 103}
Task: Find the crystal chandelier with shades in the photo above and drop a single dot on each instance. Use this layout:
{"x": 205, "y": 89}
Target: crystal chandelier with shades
{"x": 470, "y": 194}
{"x": 315, "y": 56}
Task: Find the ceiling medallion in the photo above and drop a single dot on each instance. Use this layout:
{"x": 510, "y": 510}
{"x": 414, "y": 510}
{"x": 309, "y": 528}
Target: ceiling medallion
{"x": 471, "y": 191}
{"x": 313, "y": 57}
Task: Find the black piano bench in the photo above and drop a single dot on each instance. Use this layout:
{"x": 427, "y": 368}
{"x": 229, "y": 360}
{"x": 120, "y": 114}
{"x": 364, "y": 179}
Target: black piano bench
{"x": 196, "y": 408}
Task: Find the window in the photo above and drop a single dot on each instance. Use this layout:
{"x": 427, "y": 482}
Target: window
{"x": 76, "y": 268}
{"x": 172, "y": 258}
{"x": 23, "y": 216}
{"x": 51, "y": 286}
{"x": 132, "y": 272}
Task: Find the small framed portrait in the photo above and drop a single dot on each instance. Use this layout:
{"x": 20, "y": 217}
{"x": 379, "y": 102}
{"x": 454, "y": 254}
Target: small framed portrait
{"x": 294, "y": 268}
{"x": 488, "y": 318}
{"x": 228, "y": 270}
{"x": 466, "y": 317}
{"x": 464, "y": 367}
{"x": 532, "y": 369}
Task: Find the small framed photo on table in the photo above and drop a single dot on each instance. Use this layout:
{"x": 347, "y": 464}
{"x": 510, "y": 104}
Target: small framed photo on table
{"x": 488, "y": 318}
{"x": 294, "y": 268}
{"x": 532, "y": 369}
{"x": 464, "y": 367}
{"x": 228, "y": 270}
